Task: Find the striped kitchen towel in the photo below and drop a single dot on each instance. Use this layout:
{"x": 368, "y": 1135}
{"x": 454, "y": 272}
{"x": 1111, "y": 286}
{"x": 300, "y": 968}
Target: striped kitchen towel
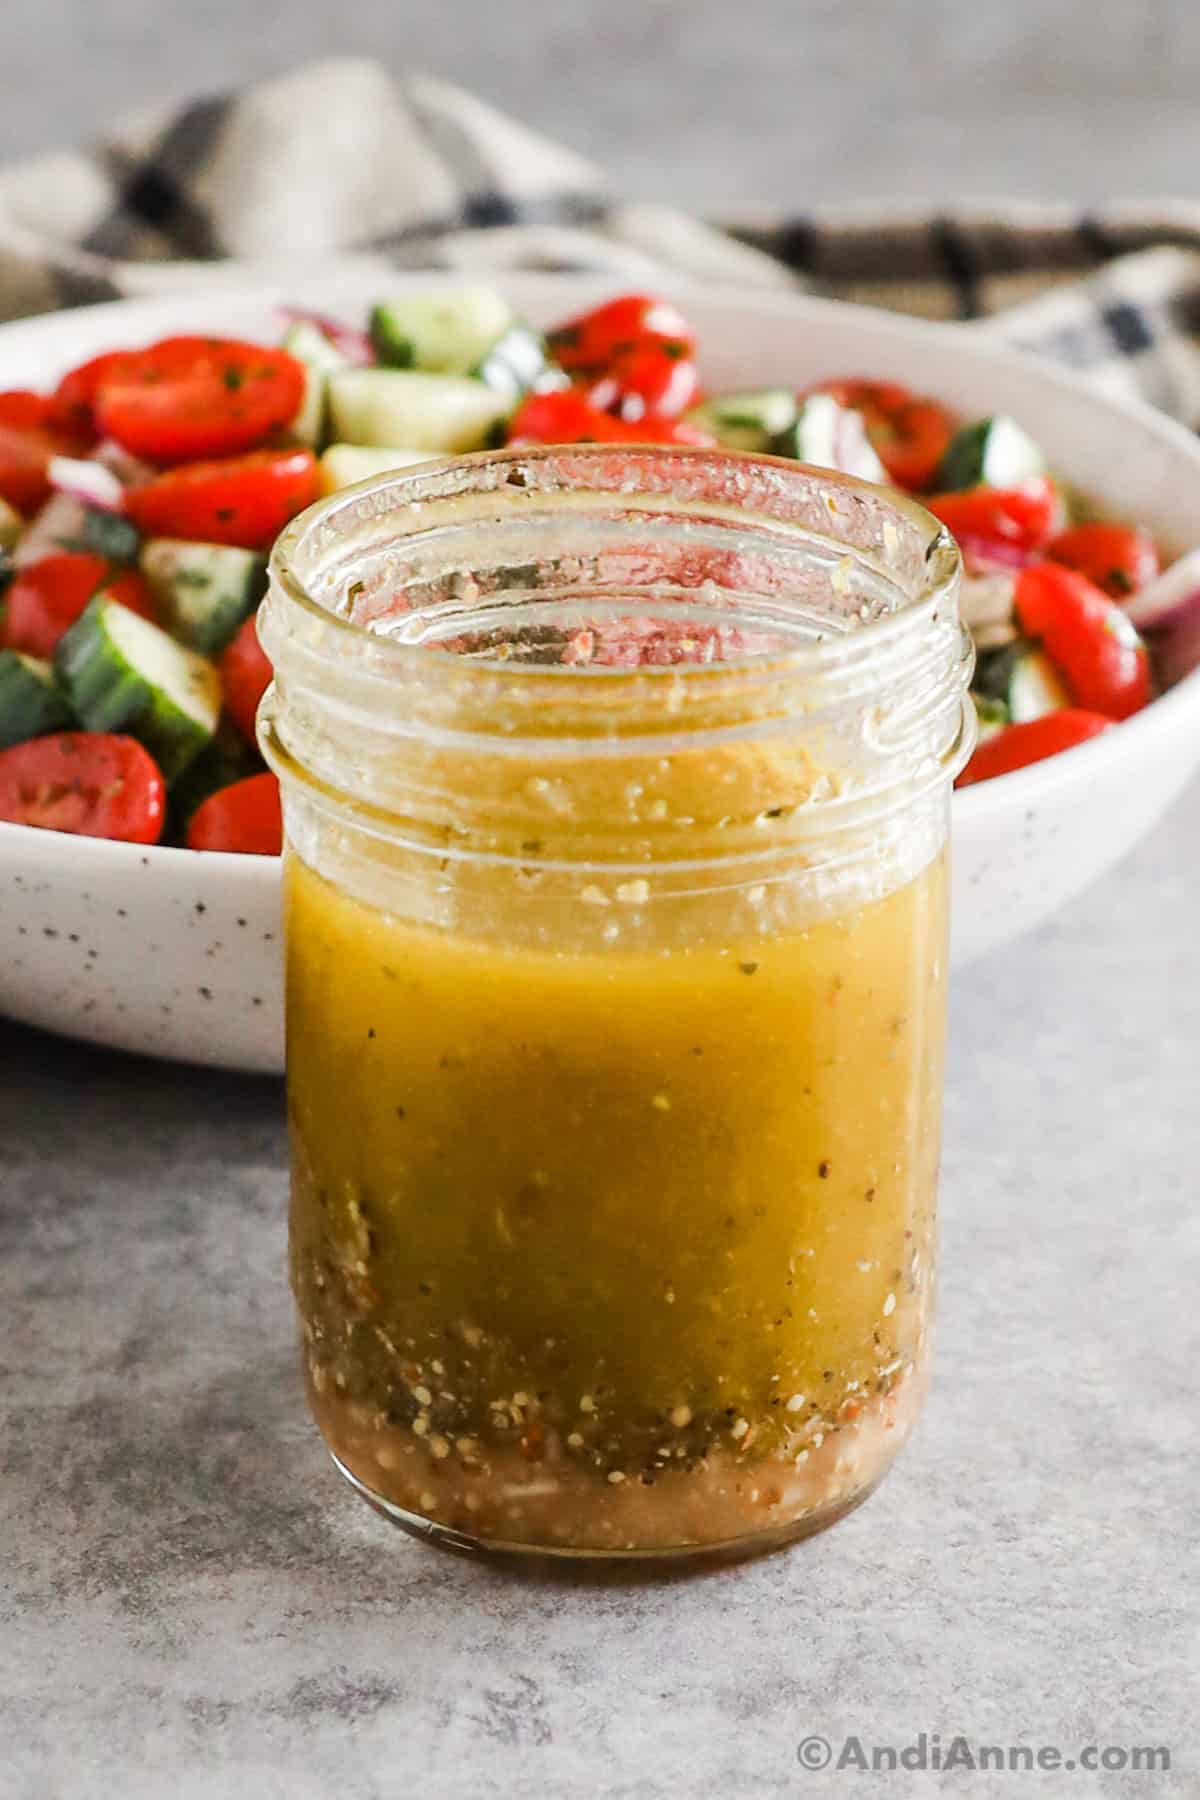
{"x": 343, "y": 160}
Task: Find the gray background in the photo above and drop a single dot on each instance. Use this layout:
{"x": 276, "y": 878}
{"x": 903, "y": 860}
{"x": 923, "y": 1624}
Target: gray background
{"x": 189, "y": 1604}
{"x": 737, "y": 107}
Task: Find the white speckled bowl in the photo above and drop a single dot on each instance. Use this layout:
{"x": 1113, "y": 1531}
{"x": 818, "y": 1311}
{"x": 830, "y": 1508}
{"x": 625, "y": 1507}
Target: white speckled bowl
{"x": 177, "y": 954}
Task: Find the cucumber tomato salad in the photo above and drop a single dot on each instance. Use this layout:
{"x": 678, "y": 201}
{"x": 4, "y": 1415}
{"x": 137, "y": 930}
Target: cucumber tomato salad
{"x": 139, "y": 502}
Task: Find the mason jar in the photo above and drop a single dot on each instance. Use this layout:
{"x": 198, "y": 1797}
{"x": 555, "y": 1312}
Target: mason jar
{"x": 616, "y": 790}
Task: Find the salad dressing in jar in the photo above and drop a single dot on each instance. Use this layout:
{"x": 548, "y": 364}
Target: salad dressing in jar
{"x": 616, "y": 788}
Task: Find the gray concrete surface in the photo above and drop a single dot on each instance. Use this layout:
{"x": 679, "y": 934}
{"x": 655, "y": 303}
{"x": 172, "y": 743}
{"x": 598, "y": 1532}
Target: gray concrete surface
{"x": 737, "y": 109}
{"x": 192, "y": 1605}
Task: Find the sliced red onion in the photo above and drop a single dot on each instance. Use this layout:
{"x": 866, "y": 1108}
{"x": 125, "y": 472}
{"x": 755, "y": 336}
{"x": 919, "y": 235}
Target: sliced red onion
{"x": 129, "y": 470}
{"x": 1169, "y": 599}
{"x": 1178, "y": 649}
{"x": 353, "y": 344}
{"x": 985, "y": 556}
{"x": 60, "y": 523}
{"x": 989, "y": 600}
{"x": 87, "y": 481}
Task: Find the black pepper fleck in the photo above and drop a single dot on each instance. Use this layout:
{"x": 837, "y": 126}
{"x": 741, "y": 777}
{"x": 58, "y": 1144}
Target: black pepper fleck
{"x": 824, "y": 1170}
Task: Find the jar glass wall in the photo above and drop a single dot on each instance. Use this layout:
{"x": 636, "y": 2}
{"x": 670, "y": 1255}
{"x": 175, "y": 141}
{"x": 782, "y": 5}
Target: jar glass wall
{"x": 616, "y": 794}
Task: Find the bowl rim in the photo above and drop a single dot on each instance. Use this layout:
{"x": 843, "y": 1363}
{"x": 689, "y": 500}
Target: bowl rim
{"x": 350, "y": 286}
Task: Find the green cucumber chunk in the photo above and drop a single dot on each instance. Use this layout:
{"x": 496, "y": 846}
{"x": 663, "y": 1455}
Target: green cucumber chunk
{"x": 31, "y": 701}
{"x": 321, "y": 359}
{"x": 1023, "y": 679}
{"x": 344, "y": 464}
{"x": 752, "y": 420}
{"x": 441, "y": 414}
{"x": 446, "y": 331}
{"x": 517, "y": 362}
{"x": 992, "y": 716}
{"x": 121, "y": 673}
{"x": 993, "y": 452}
{"x": 204, "y": 591}
{"x": 106, "y": 534}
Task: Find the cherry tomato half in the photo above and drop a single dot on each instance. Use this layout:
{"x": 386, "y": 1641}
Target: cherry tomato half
{"x": 1099, "y": 653}
{"x": 587, "y": 344}
{"x": 192, "y": 397}
{"x": 31, "y": 432}
{"x": 245, "y": 816}
{"x": 1016, "y": 746}
{"x": 648, "y": 379}
{"x": 1026, "y": 517}
{"x": 245, "y": 677}
{"x": 909, "y": 433}
{"x": 565, "y": 417}
{"x": 74, "y": 399}
{"x": 46, "y": 597}
{"x": 1117, "y": 558}
{"x": 247, "y": 500}
{"x": 84, "y": 782}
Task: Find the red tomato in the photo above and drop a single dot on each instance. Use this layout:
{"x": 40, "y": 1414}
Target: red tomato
{"x": 74, "y": 398}
{"x": 245, "y": 501}
{"x": 30, "y": 434}
{"x": 1016, "y": 746}
{"x": 46, "y": 598}
{"x": 1026, "y": 517}
{"x": 909, "y": 433}
{"x": 245, "y": 816}
{"x": 192, "y": 397}
{"x": 245, "y": 677}
{"x": 1099, "y": 653}
{"x": 566, "y": 417}
{"x": 24, "y": 410}
{"x": 133, "y": 591}
{"x": 586, "y": 345}
{"x": 84, "y": 782}
{"x": 648, "y": 379}
{"x": 1116, "y": 557}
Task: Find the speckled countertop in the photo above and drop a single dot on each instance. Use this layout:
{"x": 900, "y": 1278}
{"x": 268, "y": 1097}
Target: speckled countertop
{"x": 191, "y": 1604}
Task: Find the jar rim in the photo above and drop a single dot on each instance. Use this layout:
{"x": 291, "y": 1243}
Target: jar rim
{"x": 857, "y": 707}
{"x": 415, "y": 486}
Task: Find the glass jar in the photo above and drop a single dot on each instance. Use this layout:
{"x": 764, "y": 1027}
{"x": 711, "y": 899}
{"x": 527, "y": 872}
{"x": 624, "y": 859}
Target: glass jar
{"x": 616, "y": 788}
